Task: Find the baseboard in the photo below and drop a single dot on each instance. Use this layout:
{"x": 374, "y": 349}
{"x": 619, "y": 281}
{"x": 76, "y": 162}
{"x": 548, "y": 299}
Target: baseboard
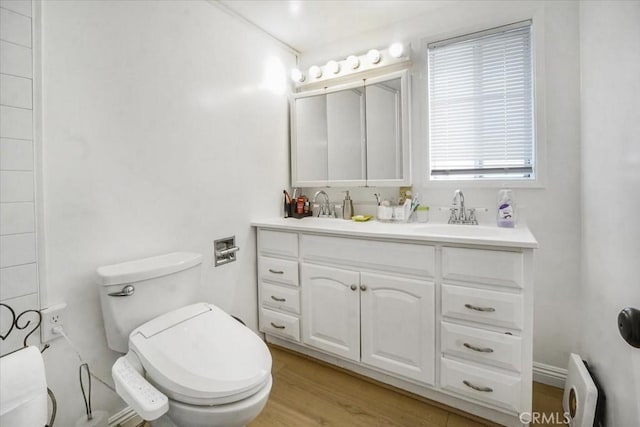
{"x": 550, "y": 375}
{"x": 125, "y": 418}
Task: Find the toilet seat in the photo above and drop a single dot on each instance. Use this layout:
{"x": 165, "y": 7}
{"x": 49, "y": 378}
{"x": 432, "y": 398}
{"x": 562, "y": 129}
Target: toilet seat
{"x": 200, "y": 355}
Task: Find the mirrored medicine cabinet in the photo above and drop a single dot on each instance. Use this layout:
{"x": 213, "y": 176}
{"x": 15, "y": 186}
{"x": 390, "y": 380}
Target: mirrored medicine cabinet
{"x": 352, "y": 135}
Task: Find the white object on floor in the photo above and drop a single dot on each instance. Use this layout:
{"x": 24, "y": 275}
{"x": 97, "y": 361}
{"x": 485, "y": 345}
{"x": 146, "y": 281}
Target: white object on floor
{"x": 23, "y": 389}
{"x": 580, "y": 394}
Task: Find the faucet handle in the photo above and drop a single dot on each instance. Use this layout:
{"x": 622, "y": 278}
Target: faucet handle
{"x": 472, "y": 215}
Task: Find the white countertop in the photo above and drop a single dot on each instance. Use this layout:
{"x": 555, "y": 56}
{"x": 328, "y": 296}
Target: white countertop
{"x": 518, "y": 237}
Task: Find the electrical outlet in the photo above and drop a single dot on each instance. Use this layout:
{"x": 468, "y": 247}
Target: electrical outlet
{"x": 51, "y": 317}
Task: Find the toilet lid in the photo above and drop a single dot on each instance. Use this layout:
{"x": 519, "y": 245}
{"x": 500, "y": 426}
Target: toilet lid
{"x": 200, "y": 355}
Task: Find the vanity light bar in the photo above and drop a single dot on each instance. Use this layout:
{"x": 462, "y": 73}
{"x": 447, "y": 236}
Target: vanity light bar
{"x": 397, "y": 53}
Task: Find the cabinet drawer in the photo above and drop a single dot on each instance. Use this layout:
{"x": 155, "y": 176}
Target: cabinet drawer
{"x": 280, "y": 298}
{"x": 278, "y": 270}
{"x": 489, "y": 386}
{"x": 492, "y": 348}
{"x": 278, "y": 243}
{"x": 284, "y": 325}
{"x": 479, "y": 305}
{"x": 407, "y": 258}
{"x": 500, "y": 268}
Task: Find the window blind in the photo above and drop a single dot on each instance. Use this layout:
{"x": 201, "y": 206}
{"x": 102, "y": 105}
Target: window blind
{"x": 481, "y": 105}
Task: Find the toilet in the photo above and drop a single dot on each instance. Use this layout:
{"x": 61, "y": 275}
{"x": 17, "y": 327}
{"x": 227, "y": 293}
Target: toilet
{"x": 185, "y": 364}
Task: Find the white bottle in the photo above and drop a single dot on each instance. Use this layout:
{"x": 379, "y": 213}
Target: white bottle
{"x": 506, "y": 209}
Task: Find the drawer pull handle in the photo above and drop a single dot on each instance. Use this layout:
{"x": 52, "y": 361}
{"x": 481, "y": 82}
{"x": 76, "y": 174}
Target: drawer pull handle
{"x": 277, "y": 326}
{"x": 476, "y": 308}
{"x": 271, "y": 270}
{"x": 478, "y": 349}
{"x": 478, "y": 388}
{"x": 278, "y": 299}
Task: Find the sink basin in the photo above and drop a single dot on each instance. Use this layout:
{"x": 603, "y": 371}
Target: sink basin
{"x": 459, "y": 230}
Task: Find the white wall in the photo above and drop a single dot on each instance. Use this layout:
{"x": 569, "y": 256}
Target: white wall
{"x": 552, "y": 212}
{"x": 160, "y": 134}
{"x": 610, "y": 66}
{"x": 18, "y": 254}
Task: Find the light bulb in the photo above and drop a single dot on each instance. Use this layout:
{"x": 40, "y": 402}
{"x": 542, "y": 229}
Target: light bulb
{"x": 396, "y": 50}
{"x": 353, "y": 62}
{"x": 374, "y": 56}
{"x": 333, "y": 67}
{"x": 297, "y": 76}
{"x": 315, "y": 71}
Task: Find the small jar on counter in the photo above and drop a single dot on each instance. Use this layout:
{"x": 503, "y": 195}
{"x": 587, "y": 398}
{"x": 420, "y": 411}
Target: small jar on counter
{"x": 422, "y": 214}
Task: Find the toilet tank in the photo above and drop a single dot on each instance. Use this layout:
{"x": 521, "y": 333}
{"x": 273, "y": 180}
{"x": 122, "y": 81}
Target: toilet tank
{"x": 160, "y": 284}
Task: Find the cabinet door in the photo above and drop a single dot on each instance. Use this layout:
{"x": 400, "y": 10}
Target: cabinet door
{"x": 398, "y": 318}
{"x": 331, "y": 310}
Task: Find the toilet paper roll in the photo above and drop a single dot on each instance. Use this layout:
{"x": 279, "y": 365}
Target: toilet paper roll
{"x": 23, "y": 389}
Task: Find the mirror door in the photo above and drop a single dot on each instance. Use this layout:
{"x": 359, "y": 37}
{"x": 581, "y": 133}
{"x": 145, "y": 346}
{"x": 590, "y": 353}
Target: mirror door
{"x": 387, "y": 131}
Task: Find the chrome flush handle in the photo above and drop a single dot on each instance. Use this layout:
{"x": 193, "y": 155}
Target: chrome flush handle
{"x": 127, "y": 291}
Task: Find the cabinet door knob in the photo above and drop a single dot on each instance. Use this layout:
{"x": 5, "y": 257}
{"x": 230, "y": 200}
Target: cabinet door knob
{"x": 476, "y": 308}
{"x": 478, "y": 388}
{"x": 363, "y": 288}
{"x": 354, "y": 287}
{"x": 478, "y": 349}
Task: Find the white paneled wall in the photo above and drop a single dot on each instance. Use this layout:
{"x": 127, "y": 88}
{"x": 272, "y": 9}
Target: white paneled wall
{"x": 18, "y": 271}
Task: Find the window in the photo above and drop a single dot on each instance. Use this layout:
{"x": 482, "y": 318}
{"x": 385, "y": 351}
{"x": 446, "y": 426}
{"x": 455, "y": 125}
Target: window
{"x": 481, "y": 106}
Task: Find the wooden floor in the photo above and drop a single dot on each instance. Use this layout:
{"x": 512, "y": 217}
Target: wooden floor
{"x": 310, "y": 393}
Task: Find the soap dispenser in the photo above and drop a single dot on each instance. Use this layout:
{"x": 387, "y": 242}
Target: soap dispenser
{"x": 506, "y": 209}
{"x": 347, "y": 207}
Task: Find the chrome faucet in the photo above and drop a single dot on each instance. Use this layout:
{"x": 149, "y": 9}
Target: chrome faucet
{"x": 325, "y": 209}
{"x": 459, "y": 213}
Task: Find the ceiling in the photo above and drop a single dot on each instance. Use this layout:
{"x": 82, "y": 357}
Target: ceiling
{"x": 308, "y": 24}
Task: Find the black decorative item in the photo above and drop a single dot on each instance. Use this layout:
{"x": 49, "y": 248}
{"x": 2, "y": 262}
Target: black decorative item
{"x": 16, "y": 324}
{"x": 629, "y": 326}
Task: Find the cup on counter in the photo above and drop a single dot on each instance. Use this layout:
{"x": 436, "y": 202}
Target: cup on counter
{"x": 384, "y": 213}
{"x": 422, "y": 214}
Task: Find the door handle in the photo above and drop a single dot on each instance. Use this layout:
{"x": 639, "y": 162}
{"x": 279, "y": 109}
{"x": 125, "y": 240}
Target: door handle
{"x": 476, "y": 308}
{"x": 476, "y": 387}
{"x": 478, "y": 349}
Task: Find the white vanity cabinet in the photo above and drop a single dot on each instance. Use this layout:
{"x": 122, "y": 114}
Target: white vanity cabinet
{"x": 331, "y": 303}
{"x": 447, "y": 318}
{"x": 379, "y": 319}
{"x": 278, "y": 289}
{"x": 486, "y": 326}
{"x": 397, "y": 325}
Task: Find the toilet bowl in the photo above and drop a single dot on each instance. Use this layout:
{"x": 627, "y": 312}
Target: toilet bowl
{"x": 191, "y": 366}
